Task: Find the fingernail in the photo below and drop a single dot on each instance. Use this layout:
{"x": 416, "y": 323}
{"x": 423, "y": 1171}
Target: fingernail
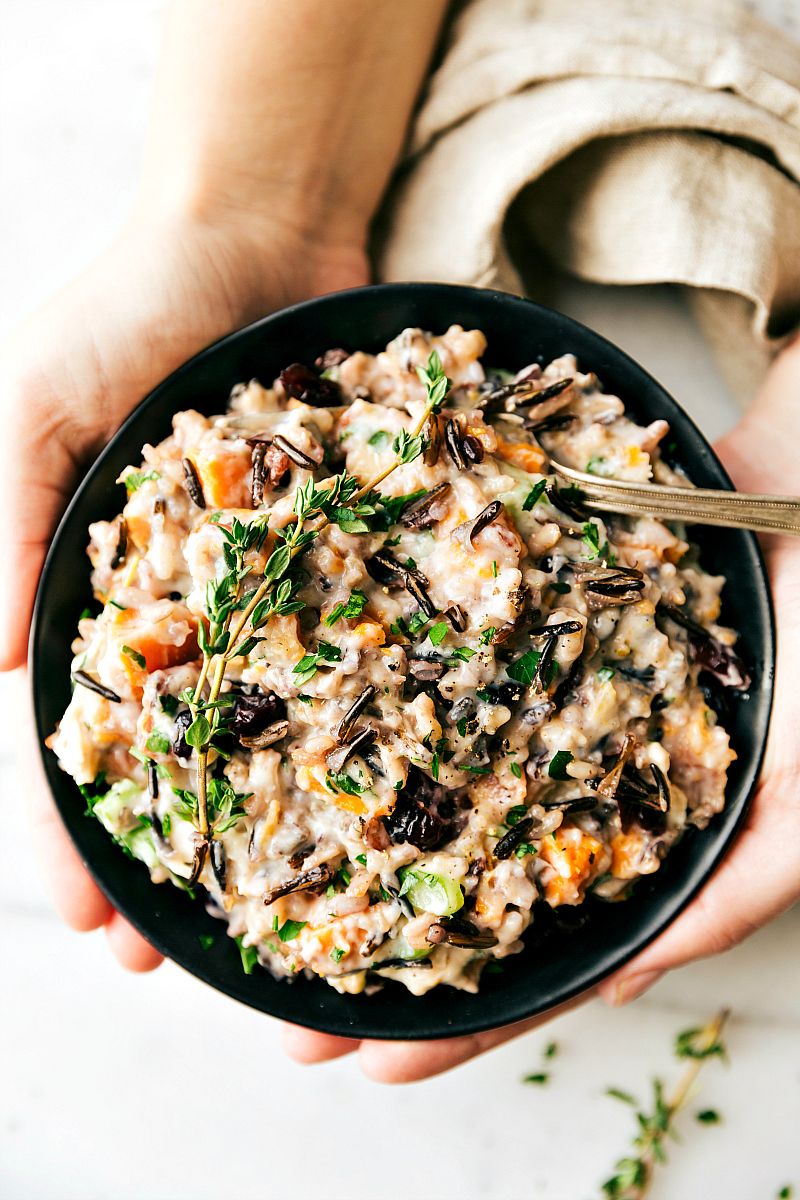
{"x": 629, "y": 989}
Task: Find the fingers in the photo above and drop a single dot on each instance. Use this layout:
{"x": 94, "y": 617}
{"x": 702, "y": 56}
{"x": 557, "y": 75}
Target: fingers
{"x": 307, "y": 1046}
{"x": 407, "y": 1062}
{"x": 131, "y": 950}
{"x": 759, "y": 880}
{"x": 76, "y": 897}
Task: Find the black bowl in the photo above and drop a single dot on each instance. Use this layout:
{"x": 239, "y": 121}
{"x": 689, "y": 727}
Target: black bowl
{"x": 570, "y": 951}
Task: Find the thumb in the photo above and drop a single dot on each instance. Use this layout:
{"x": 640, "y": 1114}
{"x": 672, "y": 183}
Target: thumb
{"x": 36, "y": 468}
{"x": 758, "y": 881}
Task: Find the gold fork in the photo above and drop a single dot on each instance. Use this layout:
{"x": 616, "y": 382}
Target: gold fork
{"x": 705, "y": 506}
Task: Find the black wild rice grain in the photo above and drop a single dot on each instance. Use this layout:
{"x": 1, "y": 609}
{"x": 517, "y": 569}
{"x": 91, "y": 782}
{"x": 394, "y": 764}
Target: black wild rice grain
{"x": 193, "y": 484}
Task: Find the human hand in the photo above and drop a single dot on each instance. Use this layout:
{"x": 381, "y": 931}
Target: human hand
{"x": 760, "y": 877}
{"x": 164, "y": 291}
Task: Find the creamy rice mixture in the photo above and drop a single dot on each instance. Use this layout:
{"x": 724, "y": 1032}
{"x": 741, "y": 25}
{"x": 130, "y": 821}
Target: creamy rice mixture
{"x": 476, "y": 699}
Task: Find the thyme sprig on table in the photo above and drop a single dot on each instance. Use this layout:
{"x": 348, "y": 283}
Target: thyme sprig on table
{"x": 634, "y": 1173}
{"x": 235, "y": 615}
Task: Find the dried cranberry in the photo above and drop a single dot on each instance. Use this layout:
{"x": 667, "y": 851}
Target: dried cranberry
{"x": 253, "y": 713}
{"x": 416, "y": 817}
{"x": 304, "y": 384}
{"x": 720, "y": 661}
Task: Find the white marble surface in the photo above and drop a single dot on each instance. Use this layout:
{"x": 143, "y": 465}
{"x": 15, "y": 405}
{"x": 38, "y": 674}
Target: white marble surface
{"x": 100, "y": 1093}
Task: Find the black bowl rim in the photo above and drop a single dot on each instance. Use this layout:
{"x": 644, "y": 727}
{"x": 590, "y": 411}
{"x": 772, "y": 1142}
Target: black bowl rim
{"x": 587, "y": 342}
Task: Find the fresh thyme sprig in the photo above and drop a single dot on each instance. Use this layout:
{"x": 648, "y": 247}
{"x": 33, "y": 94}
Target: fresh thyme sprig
{"x": 634, "y": 1173}
{"x": 340, "y": 500}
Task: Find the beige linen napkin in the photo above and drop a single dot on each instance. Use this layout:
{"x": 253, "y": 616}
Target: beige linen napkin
{"x": 625, "y": 141}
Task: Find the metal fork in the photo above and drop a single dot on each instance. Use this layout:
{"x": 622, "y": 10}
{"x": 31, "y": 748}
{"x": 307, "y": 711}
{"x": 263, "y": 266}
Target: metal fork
{"x": 704, "y": 506}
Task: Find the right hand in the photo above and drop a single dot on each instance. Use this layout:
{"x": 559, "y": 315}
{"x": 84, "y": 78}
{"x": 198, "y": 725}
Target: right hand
{"x": 166, "y": 289}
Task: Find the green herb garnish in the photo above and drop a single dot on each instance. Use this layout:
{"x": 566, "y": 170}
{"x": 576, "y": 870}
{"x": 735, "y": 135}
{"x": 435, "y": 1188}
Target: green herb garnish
{"x": 558, "y": 764}
{"x": 534, "y": 495}
{"x": 309, "y": 663}
{"x": 437, "y": 633}
{"x": 340, "y": 781}
{"x": 523, "y": 669}
{"x": 290, "y": 929}
{"x": 634, "y": 1173}
{"x": 349, "y": 609}
{"x": 134, "y": 480}
{"x": 591, "y": 538}
{"x": 248, "y": 954}
{"x": 135, "y": 656}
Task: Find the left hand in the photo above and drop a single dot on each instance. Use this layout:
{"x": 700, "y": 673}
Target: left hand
{"x": 760, "y": 877}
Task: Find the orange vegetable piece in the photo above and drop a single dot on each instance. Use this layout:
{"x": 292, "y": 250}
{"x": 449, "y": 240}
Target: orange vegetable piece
{"x": 521, "y": 454}
{"x": 224, "y": 478}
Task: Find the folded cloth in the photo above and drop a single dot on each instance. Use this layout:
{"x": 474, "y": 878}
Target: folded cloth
{"x": 626, "y": 142}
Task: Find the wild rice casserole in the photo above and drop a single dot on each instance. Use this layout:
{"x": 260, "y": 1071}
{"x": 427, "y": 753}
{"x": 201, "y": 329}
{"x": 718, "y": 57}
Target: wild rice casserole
{"x": 368, "y": 676}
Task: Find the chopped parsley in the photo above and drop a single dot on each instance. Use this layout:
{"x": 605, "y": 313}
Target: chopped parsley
{"x": 516, "y": 770}
{"x": 487, "y": 634}
{"x": 135, "y": 479}
{"x": 348, "y": 609}
{"x": 337, "y": 954}
{"x": 157, "y": 743}
{"x": 606, "y": 673}
{"x": 169, "y": 705}
{"x": 591, "y": 538}
{"x": 206, "y": 940}
{"x": 248, "y": 954}
{"x": 290, "y": 929}
{"x": 135, "y": 656}
{"x": 523, "y": 669}
{"x": 464, "y": 653}
{"x": 534, "y": 495}
{"x": 516, "y": 814}
{"x": 92, "y": 792}
{"x": 378, "y": 439}
{"x": 340, "y": 781}
{"x": 538, "y": 1077}
{"x": 558, "y": 764}
{"x": 309, "y": 663}
{"x": 437, "y": 633}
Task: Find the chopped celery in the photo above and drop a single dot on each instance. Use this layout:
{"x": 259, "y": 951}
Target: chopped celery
{"x": 430, "y": 893}
{"x": 122, "y": 795}
{"x": 114, "y": 812}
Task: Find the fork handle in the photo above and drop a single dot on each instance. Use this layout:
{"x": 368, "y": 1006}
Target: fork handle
{"x": 768, "y": 518}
